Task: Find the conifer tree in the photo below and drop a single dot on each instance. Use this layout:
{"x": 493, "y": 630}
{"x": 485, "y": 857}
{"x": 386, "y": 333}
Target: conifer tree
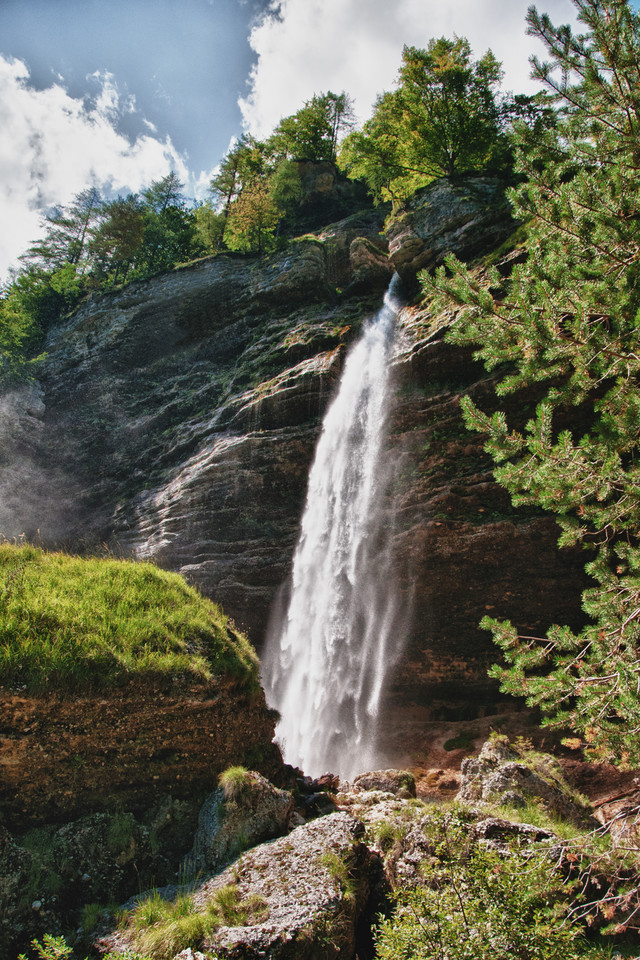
{"x": 67, "y": 230}
{"x": 569, "y": 321}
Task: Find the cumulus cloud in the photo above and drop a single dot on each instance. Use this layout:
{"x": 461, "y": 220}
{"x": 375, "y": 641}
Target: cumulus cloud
{"x": 310, "y": 46}
{"x": 53, "y": 146}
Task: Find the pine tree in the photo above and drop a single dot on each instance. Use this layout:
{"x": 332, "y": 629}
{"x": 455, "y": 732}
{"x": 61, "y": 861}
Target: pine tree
{"x": 67, "y": 230}
{"x": 569, "y": 321}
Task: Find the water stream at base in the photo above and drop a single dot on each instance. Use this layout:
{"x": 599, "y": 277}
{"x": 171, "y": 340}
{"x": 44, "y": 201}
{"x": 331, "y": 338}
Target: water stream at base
{"x": 329, "y": 651}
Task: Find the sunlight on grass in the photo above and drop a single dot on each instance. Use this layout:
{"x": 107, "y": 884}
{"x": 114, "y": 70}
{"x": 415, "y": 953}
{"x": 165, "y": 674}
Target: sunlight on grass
{"x": 161, "y": 928}
{"x": 73, "y": 622}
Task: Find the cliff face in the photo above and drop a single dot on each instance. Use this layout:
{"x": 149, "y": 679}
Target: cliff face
{"x": 64, "y": 757}
{"x": 177, "y": 420}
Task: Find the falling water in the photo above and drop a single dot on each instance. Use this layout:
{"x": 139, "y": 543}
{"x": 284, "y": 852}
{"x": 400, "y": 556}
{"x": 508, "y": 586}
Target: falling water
{"x": 329, "y": 653}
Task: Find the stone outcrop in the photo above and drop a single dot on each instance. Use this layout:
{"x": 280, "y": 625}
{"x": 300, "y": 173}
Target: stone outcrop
{"x": 466, "y": 218}
{"x": 314, "y": 889}
{"x": 397, "y": 782}
{"x": 316, "y": 892}
{"x": 62, "y": 757}
{"x": 237, "y": 816}
{"x": 499, "y": 774}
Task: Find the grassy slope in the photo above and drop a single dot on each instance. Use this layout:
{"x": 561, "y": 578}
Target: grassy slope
{"x": 71, "y": 623}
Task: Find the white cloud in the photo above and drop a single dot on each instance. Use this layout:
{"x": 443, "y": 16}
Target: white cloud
{"x": 53, "y": 146}
{"x": 310, "y": 46}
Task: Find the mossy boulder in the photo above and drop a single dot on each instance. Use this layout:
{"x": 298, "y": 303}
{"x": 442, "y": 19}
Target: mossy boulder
{"x": 245, "y": 810}
{"x": 509, "y": 775}
{"x": 307, "y": 896}
{"x": 398, "y": 782}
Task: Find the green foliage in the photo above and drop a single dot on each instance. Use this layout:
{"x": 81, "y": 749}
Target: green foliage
{"x": 121, "y": 829}
{"x": 568, "y": 322}
{"x": 313, "y": 132}
{"x": 444, "y": 118}
{"x": 72, "y": 622}
{"x": 257, "y": 187}
{"x": 20, "y": 332}
{"x": 92, "y": 914}
{"x": 242, "y": 167}
{"x": 67, "y": 231}
{"x": 44, "y": 873}
{"x": 476, "y": 903}
{"x": 234, "y": 781}
{"x": 51, "y": 948}
{"x": 252, "y": 220}
{"x": 117, "y": 239}
{"x": 169, "y": 234}
{"x": 209, "y": 227}
{"x": 339, "y": 870}
{"x": 387, "y": 834}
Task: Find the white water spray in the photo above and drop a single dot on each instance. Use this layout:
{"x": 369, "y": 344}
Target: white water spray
{"x": 327, "y": 657}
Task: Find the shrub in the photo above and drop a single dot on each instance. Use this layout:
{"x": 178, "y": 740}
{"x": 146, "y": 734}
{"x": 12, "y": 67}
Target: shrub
{"x": 477, "y": 903}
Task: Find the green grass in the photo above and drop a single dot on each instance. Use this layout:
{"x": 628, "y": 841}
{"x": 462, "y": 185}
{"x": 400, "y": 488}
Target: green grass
{"x": 72, "y": 623}
{"x": 161, "y": 928}
{"x": 235, "y": 781}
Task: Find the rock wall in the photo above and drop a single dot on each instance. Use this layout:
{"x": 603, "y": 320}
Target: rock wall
{"x": 177, "y": 420}
{"x": 64, "y": 757}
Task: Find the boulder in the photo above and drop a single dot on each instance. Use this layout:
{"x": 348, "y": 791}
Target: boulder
{"x": 512, "y": 777}
{"x": 238, "y": 816}
{"x": 315, "y": 885}
{"x": 400, "y": 783}
{"x": 307, "y": 896}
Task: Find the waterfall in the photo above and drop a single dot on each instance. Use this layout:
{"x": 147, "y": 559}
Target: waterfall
{"x": 327, "y": 655}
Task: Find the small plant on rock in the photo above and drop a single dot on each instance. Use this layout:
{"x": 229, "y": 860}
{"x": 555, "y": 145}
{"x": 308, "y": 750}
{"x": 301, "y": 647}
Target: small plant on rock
{"x": 160, "y": 928}
{"x": 235, "y": 781}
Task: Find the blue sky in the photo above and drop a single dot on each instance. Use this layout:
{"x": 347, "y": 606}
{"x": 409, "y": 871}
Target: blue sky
{"x": 119, "y": 93}
{"x": 186, "y": 63}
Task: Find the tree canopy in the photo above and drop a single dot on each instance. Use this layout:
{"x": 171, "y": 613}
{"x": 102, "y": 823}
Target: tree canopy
{"x": 444, "y": 118}
{"x": 568, "y": 321}
{"x": 257, "y": 186}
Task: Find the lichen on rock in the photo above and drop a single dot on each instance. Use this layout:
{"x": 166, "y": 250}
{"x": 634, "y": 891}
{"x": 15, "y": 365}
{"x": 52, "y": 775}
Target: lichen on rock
{"x": 504, "y": 773}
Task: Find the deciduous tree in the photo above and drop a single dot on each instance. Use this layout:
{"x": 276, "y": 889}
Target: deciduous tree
{"x": 444, "y": 118}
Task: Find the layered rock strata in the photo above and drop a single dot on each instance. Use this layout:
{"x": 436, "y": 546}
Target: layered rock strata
{"x": 62, "y": 757}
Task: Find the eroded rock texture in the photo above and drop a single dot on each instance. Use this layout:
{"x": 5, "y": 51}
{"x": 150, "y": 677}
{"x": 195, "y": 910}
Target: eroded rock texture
{"x": 65, "y": 756}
